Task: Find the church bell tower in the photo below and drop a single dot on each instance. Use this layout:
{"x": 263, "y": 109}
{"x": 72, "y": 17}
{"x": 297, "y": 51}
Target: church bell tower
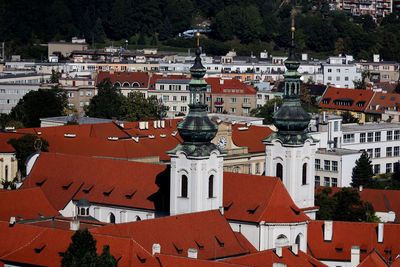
{"x": 290, "y": 152}
{"x": 196, "y": 164}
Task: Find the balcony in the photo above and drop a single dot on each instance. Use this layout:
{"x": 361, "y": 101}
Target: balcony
{"x": 219, "y": 103}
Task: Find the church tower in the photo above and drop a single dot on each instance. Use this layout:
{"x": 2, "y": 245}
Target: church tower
{"x": 290, "y": 152}
{"x": 196, "y": 164}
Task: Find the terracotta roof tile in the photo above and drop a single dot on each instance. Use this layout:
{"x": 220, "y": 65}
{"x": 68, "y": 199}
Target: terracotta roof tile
{"x": 27, "y": 203}
{"x": 169, "y": 260}
{"x": 37, "y": 246}
{"x": 268, "y": 258}
{"x": 346, "y": 99}
{"x": 229, "y": 87}
{"x": 259, "y": 198}
{"x": 176, "y": 234}
{"x": 374, "y": 259}
{"x": 251, "y": 138}
{"x": 101, "y": 173}
{"x": 141, "y": 78}
{"x": 348, "y": 234}
{"x": 382, "y": 101}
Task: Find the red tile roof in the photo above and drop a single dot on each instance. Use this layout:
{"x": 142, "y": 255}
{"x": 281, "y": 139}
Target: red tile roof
{"x": 348, "y": 234}
{"x": 37, "y": 246}
{"x": 27, "y": 203}
{"x": 251, "y": 138}
{"x": 382, "y": 101}
{"x": 355, "y": 99}
{"x": 4, "y": 147}
{"x": 208, "y": 231}
{"x": 171, "y": 77}
{"x": 382, "y": 200}
{"x": 142, "y": 78}
{"x": 268, "y": 257}
{"x": 229, "y": 87}
{"x": 63, "y": 223}
{"x": 374, "y": 259}
{"x": 79, "y": 177}
{"x": 169, "y": 260}
{"x": 255, "y": 198}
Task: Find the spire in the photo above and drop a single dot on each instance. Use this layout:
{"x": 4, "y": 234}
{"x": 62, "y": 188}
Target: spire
{"x": 197, "y": 130}
{"x": 291, "y": 120}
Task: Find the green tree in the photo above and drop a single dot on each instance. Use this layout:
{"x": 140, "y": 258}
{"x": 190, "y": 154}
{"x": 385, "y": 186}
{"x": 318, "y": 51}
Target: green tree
{"x": 362, "y": 172}
{"x": 344, "y": 205}
{"x": 348, "y": 118}
{"x": 267, "y": 111}
{"x": 26, "y": 146}
{"x": 136, "y": 107}
{"x": 82, "y": 252}
{"x": 107, "y": 103}
{"x": 39, "y": 104}
{"x": 55, "y": 76}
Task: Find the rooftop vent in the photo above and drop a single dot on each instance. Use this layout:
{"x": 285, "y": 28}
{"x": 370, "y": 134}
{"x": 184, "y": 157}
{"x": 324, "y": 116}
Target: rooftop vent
{"x": 112, "y": 138}
{"x": 136, "y": 139}
{"x": 174, "y": 133}
{"x": 151, "y": 136}
{"x": 163, "y": 135}
{"x": 243, "y": 128}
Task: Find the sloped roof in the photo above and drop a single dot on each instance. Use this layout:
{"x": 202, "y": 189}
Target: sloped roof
{"x": 167, "y": 77}
{"x": 348, "y": 234}
{"x": 63, "y": 223}
{"x": 132, "y": 77}
{"x": 251, "y": 138}
{"x": 374, "y": 259}
{"x": 169, "y": 260}
{"x": 27, "y": 203}
{"x": 208, "y": 231}
{"x": 234, "y": 87}
{"x": 4, "y": 147}
{"x": 355, "y": 96}
{"x": 381, "y": 102}
{"x": 37, "y": 246}
{"x": 382, "y": 200}
{"x": 268, "y": 257}
{"x": 64, "y": 177}
{"x": 255, "y": 198}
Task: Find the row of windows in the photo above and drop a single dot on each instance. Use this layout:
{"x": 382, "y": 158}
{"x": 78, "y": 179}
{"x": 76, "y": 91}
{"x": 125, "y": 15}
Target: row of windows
{"x": 174, "y": 98}
{"x": 338, "y": 70}
{"x": 174, "y": 87}
{"x": 390, "y": 152}
{"x": 328, "y": 165}
{"x": 338, "y": 78}
{"x": 184, "y": 186}
{"x": 14, "y": 91}
{"x": 183, "y": 109}
{"x": 327, "y": 181}
{"x": 81, "y": 93}
{"x": 9, "y": 101}
{"x": 376, "y": 136}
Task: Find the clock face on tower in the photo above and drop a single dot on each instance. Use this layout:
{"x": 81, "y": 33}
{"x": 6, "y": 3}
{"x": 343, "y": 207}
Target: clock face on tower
{"x": 222, "y": 142}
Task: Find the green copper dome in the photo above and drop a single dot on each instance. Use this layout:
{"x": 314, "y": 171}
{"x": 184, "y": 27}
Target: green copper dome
{"x": 197, "y": 130}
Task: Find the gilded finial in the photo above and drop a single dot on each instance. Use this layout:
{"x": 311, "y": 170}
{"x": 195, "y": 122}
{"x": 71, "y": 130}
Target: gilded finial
{"x": 292, "y": 29}
{"x": 198, "y": 38}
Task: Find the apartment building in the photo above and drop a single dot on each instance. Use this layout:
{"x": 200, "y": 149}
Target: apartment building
{"x": 381, "y": 71}
{"x": 341, "y": 72}
{"x": 375, "y": 8}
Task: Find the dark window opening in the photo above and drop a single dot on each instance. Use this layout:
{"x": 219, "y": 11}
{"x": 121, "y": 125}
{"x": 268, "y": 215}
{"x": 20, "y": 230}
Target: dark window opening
{"x": 304, "y": 180}
{"x": 211, "y": 186}
{"x": 279, "y": 171}
{"x": 184, "y": 186}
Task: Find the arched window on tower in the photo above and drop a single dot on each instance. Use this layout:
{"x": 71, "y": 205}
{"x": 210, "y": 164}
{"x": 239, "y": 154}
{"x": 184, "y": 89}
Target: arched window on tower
{"x": 304, "y": 180}
{"x": 184, "y": 186}
{"x": 6, "y": 173}
{"x": 279, "y": 171}
{"x": 211, "y": 186}
{"x": 112, "y": 218}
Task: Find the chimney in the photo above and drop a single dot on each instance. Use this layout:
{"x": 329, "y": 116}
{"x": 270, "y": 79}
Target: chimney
{"x": 146, "y": 125}
{"x": 163, "y": 124}
{"x": 12, "y": 221}
{"x": 355, "y": 256}
{"x": 142, "y": 125}
{"x": 328, "y": 231}
{"x": 221, "y": 81}
{"x": 155, "y": 124}
{"x": 278, "y": 264}
{"x": 192, "y": 253}
{"x": 156, "y": 249}
{"x": 360, "y": 188}
{"x": 295, "y": 249}
{"x": 380, "y": 232}
{"x": 221, "y": 210}
{"x": 74, "y": 225}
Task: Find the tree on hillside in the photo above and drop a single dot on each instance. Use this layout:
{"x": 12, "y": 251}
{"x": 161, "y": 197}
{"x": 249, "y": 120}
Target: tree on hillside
{"x": 39, "y": 104}
{"x": 344, "y": 205}
{"x": 82, "y": 252}
{"x": 26, "y": 146}
{"x": 267, "y": 110}
{"x": 107, "y": 103}
{"x": 362, "y": 172}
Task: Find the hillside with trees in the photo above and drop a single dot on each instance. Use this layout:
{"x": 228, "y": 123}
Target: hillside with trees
{"x": 246, "y": 25}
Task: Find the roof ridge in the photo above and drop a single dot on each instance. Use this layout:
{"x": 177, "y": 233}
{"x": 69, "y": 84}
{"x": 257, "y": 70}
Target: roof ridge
{"x": 269, "y": 200}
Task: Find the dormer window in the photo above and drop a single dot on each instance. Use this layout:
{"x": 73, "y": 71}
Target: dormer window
{"x": 83, "y": 206}
{"x": 326, "y": 100}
